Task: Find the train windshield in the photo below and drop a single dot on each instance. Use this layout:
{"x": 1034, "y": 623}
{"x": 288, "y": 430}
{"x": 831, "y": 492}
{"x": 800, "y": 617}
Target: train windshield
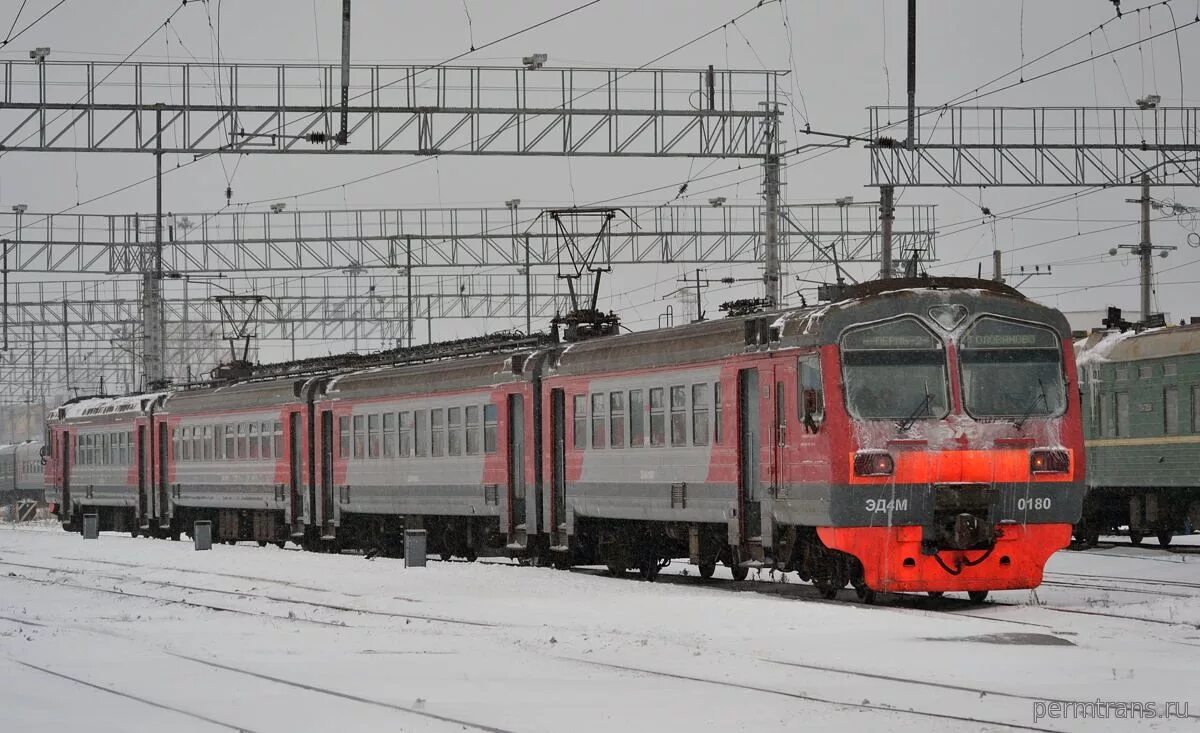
{"x": 1011, "y": 370}
{"x": 895, "y": 371}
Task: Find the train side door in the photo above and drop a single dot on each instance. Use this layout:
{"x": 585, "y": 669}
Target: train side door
{"x": 516, "y": 464}
{"x": 294, "y": 444}
{"x": 142, "y": 458}
{"x": 749, "y": 455}
{"x": 164, "y": 445}
{"x": 558, "y": 472}
{"x": 326, "y": 517}
{"x": 65, "y": 457}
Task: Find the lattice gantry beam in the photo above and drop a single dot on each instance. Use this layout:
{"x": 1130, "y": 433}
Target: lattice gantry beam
{"x": 291, "y": 308}
{"x": 408, "y": 110}
{"x": 1037, "y": 146}
{"x": 388, "y": 239}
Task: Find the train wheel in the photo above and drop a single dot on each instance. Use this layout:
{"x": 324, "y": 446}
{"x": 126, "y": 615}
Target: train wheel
{"x": 707, "y": 569}
{"x": 471, "y": 554}
{"x": 827, "y": 590}
{"x": 864, "y": 593}
{"x": 649, "y": 568}
{"x": 1135, "y": 537}
{"x": 262, "y": 543}
{"x": 280, "y": 545}
{"x": 977, "y": 596}
{"x": 1164, "y": 538}
{"x": 936, "y": 593}
{"x": 739, "y": 571}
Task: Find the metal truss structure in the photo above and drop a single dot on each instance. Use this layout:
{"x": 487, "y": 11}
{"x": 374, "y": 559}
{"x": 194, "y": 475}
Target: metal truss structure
{"x": 386, "y": 239}
{"x": 304, "y": 309}
{"x": 1037, "y": 146}
{"x": 393, "y": 109}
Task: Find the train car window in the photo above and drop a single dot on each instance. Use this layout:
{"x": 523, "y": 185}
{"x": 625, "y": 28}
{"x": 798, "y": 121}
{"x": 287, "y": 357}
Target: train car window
{"x": 406, "y": 434}
{"x": 278, "y": 452}
{"x": 252, "y": 434}
{"x": 207, "y": 448}
{"x": 658, "y": 422}
{"x": 1122, "y": 414}
{"x": 454, "y": 430}
{"x": 1196, "y": 408}
{"x": 598, "y": 416}
{"x": 1171, "y": 410}
{"x": 895, "y": 370}
{"x": 489, "y": 428}
{"x": 1145, "y": 372}
{"x": 473, "y": 430}
{"x": 359, "y": 438}
{"x": 580, "y": 421}
{"x": 811, "y": 404}
{"x": 421, "y": 418}
{"x": 678, "y": 415}
{"x": 389, "y": 435}
{"x": 187, "y": 443}
{"x": 242, "y": 451}
{"x": 437, "y": 432}
{"x": 374, "y": 436}
{"x": 344, "y": 437}
{"x": 637, "y": 419}
{"x": 616, "y": 419}
{"x": 716, "y": 413}
{"x": 1170, "y": 370}
{"x": 700, "y": 414}
{"x": 264, "y": 440}
{"x": 197, "y": 444}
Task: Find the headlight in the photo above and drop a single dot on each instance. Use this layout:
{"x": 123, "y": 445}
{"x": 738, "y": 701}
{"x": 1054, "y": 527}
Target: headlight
{"x": 873, "y": 463}
{"x": 1049, "y": 461}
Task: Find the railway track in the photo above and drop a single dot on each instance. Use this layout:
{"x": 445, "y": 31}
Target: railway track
{"x": 814, "y": 698}
{"x": 235, "y": 593}
{"x": 343, "y": 695}
{"x": 925, "y": 683}
{"x": 137, "y": 698}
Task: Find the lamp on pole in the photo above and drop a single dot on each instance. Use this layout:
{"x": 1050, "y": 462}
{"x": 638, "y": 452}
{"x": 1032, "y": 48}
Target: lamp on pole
{"x": 513, "y": 205}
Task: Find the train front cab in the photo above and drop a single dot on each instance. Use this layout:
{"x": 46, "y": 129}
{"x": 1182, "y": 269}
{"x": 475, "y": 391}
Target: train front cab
{"x": 962, "y": 460}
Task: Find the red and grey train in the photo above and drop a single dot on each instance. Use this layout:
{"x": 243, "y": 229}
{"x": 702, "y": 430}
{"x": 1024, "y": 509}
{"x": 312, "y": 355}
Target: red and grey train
{"x": 912, "y": 435}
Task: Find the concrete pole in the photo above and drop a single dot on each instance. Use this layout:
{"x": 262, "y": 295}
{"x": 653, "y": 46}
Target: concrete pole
{"x": 772, "y": 275}
{"x": 912, "y": 74}
{"x": 997, "y": 269}
{"x": 1146, "y": 249}
{"x": 153, "y": 367}
{"x": 887, "y": 217}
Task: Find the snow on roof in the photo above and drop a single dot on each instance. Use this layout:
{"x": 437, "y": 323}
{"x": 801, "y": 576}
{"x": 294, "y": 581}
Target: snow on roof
{"x": 109, "y": 405}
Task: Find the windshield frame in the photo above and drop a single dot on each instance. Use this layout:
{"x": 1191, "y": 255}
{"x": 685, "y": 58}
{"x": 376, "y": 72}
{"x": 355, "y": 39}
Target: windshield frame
{"x": 1027, "y": 413}
{"x": 946, "y": 396}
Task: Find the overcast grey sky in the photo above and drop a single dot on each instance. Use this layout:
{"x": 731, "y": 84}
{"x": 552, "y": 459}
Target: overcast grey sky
{"x": 844, "y": 56}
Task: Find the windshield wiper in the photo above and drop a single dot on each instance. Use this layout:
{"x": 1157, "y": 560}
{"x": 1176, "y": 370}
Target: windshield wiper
{"x": 926, "y": 401}
{"x": 1041, "y": 397}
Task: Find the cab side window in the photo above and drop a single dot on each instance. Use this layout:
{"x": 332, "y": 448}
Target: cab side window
{"x": 812, "y": 393}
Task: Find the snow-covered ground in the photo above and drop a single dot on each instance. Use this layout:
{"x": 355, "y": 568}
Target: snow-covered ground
{"x": 124, "y": 634}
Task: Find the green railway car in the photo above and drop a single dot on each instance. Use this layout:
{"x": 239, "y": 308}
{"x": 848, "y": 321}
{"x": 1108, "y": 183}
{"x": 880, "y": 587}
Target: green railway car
{"x": 1141, "y": 412}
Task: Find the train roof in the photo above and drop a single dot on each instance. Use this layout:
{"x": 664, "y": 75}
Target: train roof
{"x": 9, "y": 448}
{"x": 488, "y": 370}
{"x": 236, "y": 396}
{"x": 1155, "y": 343}
{"x": 101, "y": 409}
{"x": 799, "y": 327}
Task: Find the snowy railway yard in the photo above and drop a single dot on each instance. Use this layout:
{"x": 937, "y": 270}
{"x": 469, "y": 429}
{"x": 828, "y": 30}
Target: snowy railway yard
{"x": 125, "y": 634}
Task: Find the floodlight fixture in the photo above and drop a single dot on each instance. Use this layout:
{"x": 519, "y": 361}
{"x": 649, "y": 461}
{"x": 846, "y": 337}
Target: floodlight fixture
{"x": 535, "y": 61}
